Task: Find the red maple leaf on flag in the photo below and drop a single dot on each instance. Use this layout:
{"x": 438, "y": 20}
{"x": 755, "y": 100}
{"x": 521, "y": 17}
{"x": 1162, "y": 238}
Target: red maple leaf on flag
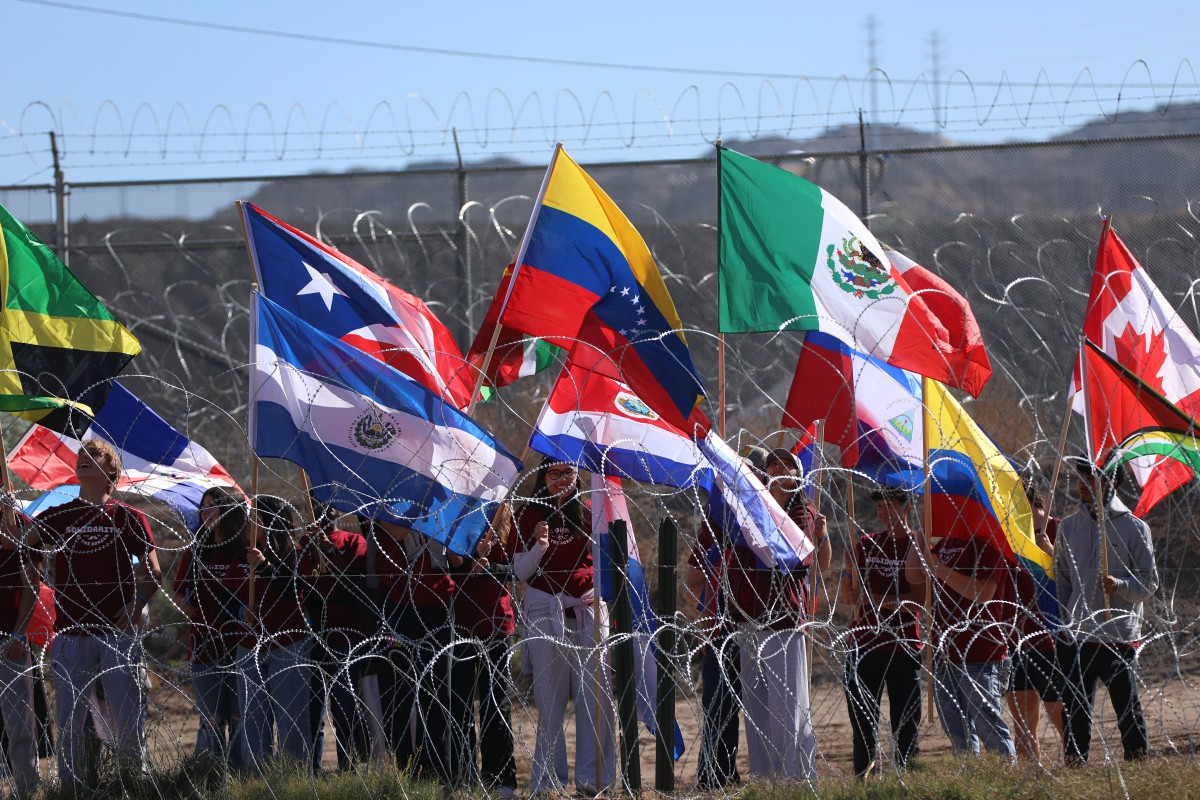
{"x": 1144, "y": 355}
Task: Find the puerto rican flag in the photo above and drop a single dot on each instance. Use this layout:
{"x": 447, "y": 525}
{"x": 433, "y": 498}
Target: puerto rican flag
{"x": 158, "y": 461}
{"x": 337, "y": 295}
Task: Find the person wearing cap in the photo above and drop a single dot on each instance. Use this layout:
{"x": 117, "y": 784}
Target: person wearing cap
{"x": 769, "y": 607}
{"x": 885, "y": 637}
{"x": 1100, "y": 641}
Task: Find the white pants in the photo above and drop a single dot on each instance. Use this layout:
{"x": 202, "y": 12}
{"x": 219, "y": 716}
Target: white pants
{"x": 20, "y": 725}
{"x": 562, "y": 658}
{"x": 779, "y": 731}
{"x": 112, "y": 658}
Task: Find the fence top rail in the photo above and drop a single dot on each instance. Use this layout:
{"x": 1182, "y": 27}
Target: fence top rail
{"x": 502, "y": 168}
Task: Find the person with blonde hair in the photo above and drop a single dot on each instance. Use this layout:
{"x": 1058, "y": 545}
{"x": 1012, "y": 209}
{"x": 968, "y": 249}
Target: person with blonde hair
{"x": 92, "y": 543}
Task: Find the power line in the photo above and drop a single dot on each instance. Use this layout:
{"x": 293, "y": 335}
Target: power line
{"x": 525, "y": 59}
{"x": 408, "y": 48}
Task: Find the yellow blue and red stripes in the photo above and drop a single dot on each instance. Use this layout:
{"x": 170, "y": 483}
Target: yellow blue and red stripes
{"x": 585, "y": 257}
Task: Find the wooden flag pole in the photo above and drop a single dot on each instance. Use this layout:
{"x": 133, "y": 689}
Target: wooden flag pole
{"x": 1098, "y": 502}
{"x": 816, "y": 570}
{"x": 927, "y": 556}
{"x": 251, "y": 416}
{"x": 520, "y": 256}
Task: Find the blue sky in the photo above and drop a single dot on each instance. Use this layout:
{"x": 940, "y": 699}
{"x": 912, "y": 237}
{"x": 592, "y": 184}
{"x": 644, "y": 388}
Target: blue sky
{"x": 131, "y": 96}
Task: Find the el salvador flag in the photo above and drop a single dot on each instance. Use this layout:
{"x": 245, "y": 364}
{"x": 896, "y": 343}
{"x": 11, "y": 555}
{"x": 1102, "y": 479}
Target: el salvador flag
{"x": 372, "y": 440}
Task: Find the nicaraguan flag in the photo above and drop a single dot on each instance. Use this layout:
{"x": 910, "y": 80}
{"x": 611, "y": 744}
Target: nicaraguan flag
{"x": 157, "y": 460}
{"x": 372, "y": 440}
{"x": 761, "y": 524}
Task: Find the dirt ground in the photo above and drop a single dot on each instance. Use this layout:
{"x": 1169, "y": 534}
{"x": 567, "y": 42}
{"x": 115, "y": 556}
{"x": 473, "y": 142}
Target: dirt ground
{"x": 1171, "y": 703}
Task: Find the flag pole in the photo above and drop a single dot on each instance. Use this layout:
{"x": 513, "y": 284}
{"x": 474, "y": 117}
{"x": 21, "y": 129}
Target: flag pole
{"x": 1098, "y": 502}
{"x": 816, "y": 571}
{"x": 720, "y": 333}
{"x": 927, "y": 556}
{"x": 251, "y": 411}
{"x": 520, "y": 257}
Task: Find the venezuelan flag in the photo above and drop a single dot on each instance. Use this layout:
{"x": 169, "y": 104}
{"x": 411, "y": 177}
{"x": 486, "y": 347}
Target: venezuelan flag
{"x": 582, "y": 256}
{"x": 975, "y": 491}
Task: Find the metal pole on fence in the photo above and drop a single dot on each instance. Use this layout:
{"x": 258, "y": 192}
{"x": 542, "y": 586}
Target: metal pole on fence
{"x": 623, "y": 675}
{"x": 664, "y": 711}
{"x": 61, "y": 228}
{"x": 864, "y": 174}
{"x": 462, "y": 241}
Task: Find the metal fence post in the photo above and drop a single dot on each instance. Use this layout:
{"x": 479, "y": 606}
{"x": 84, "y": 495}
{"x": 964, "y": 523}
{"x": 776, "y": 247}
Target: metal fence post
{"x": 864, "y": 174}
{"x": 62, "y": 241}
{"x": 462, "y": 241}
{"x": 664, "y": 711}
{"x": 623, "y": 666}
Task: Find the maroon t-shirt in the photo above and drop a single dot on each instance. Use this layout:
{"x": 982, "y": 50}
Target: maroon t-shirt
{"x": 880, "y": 560}
{"x": 213, "y": 637}
{"x": 341, "y": 590}
{"x": 93, "y": 547}
{"x": 765, "y": 594}
{"x": 279, "y": 601}
{"x": 566, "y": 566}
{"x": 412, "y": 580}
{"x": 968, "y": 632}
{"x": 483, "y": 605}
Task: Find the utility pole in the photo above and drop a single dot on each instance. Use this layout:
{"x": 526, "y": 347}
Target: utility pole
{"x": 61, "y": 229}
{"x": 936, "y": 70}
{"x": 872, "y": 68}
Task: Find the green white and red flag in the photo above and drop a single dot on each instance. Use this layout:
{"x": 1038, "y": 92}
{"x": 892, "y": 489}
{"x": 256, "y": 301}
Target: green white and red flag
{"x": 791, "y": 256}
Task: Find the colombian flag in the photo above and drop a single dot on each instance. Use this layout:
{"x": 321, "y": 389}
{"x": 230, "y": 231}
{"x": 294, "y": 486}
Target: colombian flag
{"x": 975, "y": 491}
{"x": 582, "y": 256}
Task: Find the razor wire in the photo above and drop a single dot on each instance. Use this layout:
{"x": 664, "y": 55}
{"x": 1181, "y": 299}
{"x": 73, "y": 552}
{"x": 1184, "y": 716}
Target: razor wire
{"x": 1018, "y": 245}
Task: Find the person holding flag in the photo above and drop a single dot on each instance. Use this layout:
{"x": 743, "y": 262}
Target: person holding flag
{"x": 92, "y": 542}
{"x": 1101, "y": 595}
{"x": 562, "y": 610}
{"x": 770, "y": 607}
{"x": 885, "y": 635}
{"x": 972, "y": 663}
{"x": 220, "y": 545}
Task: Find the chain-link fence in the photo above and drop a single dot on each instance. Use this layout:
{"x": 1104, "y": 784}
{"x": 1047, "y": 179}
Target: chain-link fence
{"x": 1012, "y": 227}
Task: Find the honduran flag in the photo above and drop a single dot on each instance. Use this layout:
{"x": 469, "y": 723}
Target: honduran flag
{"x": 791, "y": 256}
{"x": 975, "y": 489}
{"x": 872, "y": 410}
{"x": 580, "y": 256}
{"x": 608, "y": 506}
{"x": 339, "y": 296}
{"x": 758, "y": 521}
{"x": 593, "y": 420}
{"x": 372, "y": 440}
{"x": 157, "y": 460}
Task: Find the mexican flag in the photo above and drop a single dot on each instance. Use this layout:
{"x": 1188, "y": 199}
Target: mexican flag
{"x": 1143, "y": 423}
{"x": 791, "y": 256}
{"x": 1132, "y": 322}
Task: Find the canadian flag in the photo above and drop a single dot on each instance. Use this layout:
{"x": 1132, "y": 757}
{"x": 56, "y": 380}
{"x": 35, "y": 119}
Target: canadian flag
{"x": 1131, "y": 321}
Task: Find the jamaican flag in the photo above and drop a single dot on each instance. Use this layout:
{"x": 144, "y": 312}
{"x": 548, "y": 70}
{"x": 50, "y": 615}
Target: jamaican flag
{"x": 1125, "y": 410}
{"x": 59, "y": 346}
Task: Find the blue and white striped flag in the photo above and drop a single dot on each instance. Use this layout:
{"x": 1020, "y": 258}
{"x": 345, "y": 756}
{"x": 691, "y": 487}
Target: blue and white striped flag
{"x": 762, "y": 524}
{"x": 372, "y": 439}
